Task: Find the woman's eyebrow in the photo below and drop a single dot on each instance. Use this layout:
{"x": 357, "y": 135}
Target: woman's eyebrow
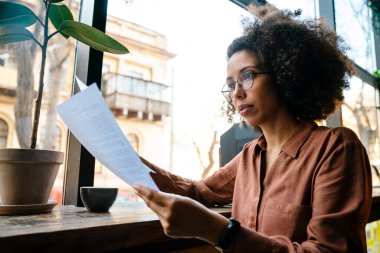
{"x": 241, "y": 71}
{"x": 247, "y": 67}
{"x": 229, "y": 78}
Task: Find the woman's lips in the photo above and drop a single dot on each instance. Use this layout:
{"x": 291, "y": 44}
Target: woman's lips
{"x": 244, "y": 109}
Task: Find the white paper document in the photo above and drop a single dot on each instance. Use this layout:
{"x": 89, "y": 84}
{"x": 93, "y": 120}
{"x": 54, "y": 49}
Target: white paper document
{"x": 88, "y": 117}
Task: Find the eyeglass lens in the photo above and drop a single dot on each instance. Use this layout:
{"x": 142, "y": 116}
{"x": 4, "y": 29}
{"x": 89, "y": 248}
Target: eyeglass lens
{"x": 245, "y": 81}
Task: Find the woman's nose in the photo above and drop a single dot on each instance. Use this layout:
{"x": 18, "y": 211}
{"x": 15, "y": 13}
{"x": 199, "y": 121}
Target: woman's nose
{"x": 238, "y": 92}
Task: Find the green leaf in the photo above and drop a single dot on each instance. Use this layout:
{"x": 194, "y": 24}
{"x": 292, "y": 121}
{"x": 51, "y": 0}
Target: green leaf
{"x": 92, "y": 37}
{"x": 16, "y": 14}
{"x": 377, "y": 74}
{"x": 58, "y": 14}
{"x": 14, "y": 33}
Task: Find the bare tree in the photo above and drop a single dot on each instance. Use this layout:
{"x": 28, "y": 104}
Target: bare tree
{"x": 58, "y": 56}
{"x": 207, "y": 166}
{"x": 25, "y": 59}
{"x": 206, "y": 154}
{"x": 25, "y": 53}
{"x": 367, "y": 133}
{"x": 361, "y": 14}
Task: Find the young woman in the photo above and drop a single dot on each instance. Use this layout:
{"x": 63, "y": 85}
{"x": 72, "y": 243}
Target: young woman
{"x": 300, "y": 187}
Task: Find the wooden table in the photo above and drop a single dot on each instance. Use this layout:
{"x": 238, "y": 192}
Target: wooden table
{"x": 73, "y": 229}
{"x": 127, "y": 226}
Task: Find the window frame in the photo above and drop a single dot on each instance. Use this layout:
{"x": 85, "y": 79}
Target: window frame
{"x": 80, "y": 164}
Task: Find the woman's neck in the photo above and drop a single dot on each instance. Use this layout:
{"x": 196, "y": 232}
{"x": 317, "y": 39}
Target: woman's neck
{"x": 279, "y": 131}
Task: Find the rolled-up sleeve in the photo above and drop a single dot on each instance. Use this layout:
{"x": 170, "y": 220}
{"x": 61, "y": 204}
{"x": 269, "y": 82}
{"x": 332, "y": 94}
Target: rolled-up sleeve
{"x": 216, "y": 189}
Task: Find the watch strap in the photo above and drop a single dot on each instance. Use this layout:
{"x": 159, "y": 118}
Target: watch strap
{"x": 229, "y": 235}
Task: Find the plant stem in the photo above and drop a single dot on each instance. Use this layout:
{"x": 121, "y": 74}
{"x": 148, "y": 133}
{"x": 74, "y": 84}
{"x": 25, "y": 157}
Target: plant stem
{"x": 37, "y": 109}
{"x": 54, "y": 33}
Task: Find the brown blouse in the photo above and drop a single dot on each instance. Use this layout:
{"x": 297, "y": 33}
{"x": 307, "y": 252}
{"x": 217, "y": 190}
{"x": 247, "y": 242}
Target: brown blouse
{"x": 316, "y": 197}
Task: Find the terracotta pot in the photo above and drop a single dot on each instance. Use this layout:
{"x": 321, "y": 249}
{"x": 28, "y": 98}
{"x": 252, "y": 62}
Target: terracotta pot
{"x": 27, "y": 175}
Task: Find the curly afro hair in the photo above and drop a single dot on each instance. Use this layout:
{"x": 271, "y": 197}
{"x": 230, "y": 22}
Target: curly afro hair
{"x": 307, "y": 59}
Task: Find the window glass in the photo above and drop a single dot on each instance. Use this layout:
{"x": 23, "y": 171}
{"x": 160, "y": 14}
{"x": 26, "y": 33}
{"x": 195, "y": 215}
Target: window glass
{"x": 359, "y": 112}
{"x": 19, "y": 78}
{"x": 353, "y": 23}
{"x": 173, "y": 101}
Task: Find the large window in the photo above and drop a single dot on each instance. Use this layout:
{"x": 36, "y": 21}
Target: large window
{"x": 174, "y": 101}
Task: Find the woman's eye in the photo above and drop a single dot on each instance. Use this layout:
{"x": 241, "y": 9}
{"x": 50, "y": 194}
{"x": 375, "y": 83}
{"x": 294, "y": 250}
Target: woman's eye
{"x": 249, "y": 76}
{"x": 231, "y": 86}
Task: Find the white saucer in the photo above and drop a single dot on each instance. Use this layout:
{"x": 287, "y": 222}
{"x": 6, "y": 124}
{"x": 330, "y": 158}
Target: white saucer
{"x": 27, "y": 209}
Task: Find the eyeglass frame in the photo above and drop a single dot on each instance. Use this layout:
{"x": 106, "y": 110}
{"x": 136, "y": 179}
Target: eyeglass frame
{"x": 229, "y": 96}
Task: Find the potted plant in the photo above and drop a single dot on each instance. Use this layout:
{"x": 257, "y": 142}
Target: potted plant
{"x": 27, "y": 175}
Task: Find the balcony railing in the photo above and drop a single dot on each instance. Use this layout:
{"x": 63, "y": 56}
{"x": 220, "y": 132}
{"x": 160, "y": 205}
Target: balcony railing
{"x": 136, "y": 98}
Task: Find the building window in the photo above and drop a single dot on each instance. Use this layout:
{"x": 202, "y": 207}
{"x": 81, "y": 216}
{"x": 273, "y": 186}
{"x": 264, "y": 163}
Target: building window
{"x": 3, "y": 133}
{"x": 106, "y": 68}
{"x": 3, "y": 58}
{"x": 135, "y": 74}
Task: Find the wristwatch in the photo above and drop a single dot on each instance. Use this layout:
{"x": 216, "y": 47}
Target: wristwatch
{"x": 229, "y": 235}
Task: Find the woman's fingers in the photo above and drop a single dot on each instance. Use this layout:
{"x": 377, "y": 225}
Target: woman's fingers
{"x": 152, "y": 198}
{"x": 181, "y": 216}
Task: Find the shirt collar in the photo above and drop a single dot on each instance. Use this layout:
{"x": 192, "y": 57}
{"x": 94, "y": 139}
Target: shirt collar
{"x": 294, "y": 143}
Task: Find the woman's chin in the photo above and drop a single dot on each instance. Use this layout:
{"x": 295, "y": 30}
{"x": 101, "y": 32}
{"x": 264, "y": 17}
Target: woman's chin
{"x": 251, "y": 121}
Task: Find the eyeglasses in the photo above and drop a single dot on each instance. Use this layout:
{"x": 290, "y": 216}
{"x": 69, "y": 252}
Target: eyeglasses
{"x": 245, "y": 82}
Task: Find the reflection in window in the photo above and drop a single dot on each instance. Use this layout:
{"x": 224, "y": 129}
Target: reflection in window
{"x": 3, "y": 133}
{"x": 134, "y": 141}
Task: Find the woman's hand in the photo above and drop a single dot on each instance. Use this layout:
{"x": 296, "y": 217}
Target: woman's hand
{"x": 183, "y": 217}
